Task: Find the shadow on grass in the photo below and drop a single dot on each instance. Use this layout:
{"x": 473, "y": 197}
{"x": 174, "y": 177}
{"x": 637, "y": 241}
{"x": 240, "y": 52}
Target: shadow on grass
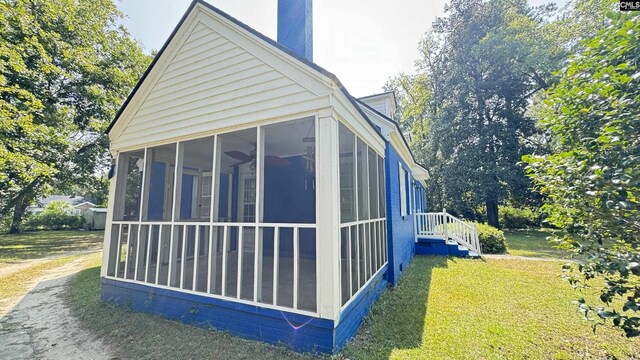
{"x": 39, "y": 244}
{"x": 135, "y": 335}
{"x": 396, "y": 321}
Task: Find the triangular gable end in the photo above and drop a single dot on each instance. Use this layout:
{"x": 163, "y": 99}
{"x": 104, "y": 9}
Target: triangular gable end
{"x": 211, "y": 74}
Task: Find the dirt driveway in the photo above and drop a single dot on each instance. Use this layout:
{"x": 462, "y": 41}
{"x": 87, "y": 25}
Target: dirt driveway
{"x": 40, "y": 325}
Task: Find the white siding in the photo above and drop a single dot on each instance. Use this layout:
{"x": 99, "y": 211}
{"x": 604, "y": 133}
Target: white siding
{"x": 212, "y": 83}
{"x": 383, "y": 103}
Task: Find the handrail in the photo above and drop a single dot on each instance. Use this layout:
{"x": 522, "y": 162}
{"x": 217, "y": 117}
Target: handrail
{"x": 446, "y": 226}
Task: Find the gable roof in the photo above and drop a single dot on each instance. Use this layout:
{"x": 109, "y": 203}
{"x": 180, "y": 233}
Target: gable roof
{"x": 70, "y": 199}
{"x": 315, "y": 67}
{"x": 254, "y": 32}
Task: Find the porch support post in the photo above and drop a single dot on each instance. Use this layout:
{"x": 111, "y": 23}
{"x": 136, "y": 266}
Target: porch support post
{"x": 108, "y": 222}
{"x": 327, "y": 216}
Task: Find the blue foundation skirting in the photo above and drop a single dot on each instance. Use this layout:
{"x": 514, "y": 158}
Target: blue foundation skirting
{"x": 352, "y": 315}
{"x": 299, "y": 332}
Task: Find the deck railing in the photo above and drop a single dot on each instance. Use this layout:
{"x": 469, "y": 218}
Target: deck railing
{"x": 270, "y": 265}
{"x": 446, "y": 226}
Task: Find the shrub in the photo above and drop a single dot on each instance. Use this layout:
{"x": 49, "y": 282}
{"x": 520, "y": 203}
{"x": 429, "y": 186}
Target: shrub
{"x": 492, "y": 240}
{"x": 54, "y": 221}
{"x": 55, "y": 217}
{"x": 519, "y": 218}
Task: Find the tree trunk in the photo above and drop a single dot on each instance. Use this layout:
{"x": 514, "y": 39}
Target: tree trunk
{"x": 492, "y": 213}
{"x": 18, "y": 212}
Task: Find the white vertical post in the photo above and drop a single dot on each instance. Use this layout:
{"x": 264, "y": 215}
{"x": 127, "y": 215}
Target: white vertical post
{"x": 257, "y": 266}
{"x": 172, "y": 256}
{"x": 444, "y": 224}
{"x": 184, "y": 253}
{"x": 135, "y": 269}
{"x": 196, "y": 257}
{"x": 328, "y": 219}
{"x": 127, "y": 253}
{"x": 349, "y": 256}
{"x": 240, "y": 246}
{"x": 106, "y": 245}
{"x": 118, "y": 251}
{"x": 223, "y": 286}
{"x": 296, "y": 264}
{"x": 148, "y": 256}
{"x": 276, "y": 255}
{"x": 158, "y": 259}
{"x": 358, "y": 265}
{"x": 211, "y": 276}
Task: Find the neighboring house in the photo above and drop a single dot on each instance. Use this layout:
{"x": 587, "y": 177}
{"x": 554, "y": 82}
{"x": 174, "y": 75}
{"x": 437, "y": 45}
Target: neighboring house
{"x": 77, "y": 203}
{"x": 252, "y": 193}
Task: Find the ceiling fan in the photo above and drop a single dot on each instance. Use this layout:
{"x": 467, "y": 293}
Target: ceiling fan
{"x": 243, "y": 158}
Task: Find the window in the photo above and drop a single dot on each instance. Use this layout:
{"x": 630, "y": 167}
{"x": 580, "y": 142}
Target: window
{"x": 402, "y": 180}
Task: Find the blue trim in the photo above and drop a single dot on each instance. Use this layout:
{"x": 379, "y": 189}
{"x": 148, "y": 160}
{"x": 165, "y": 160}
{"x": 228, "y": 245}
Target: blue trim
{"x": 299, "y": 332}
{"x": 352, "y": 316}
{"x": 389, "y": 208}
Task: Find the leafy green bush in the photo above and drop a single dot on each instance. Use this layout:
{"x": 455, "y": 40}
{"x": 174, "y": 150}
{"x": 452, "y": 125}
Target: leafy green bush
{"x": 519, "y": 218}
{"x": 492, "y": 240}
{"x": 55, "y": 217}
{"x": 591, "y": 179}
{"x": 54, "y": 221}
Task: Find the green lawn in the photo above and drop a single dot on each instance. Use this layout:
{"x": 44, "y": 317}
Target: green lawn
{"x": 442, "y": 309}
{"x": 39, "y": 244}
{"x": 493, "y": 309}
{"x": 532, "y": 243}
{"x": 141, "y": 336}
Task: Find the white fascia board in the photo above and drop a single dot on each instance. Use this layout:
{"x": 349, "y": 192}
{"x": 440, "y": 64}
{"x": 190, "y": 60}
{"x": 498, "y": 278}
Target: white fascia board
{"x": 397, "y": 141}
{"x": 420, "y": 173}
{"x": 385, "y": 127}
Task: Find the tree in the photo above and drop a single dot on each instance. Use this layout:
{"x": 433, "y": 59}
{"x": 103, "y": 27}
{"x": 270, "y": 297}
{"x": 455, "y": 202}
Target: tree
{"x": 65, "y": 68}
{"x": 592, "y": 178}
{"x": 480, "y": 66}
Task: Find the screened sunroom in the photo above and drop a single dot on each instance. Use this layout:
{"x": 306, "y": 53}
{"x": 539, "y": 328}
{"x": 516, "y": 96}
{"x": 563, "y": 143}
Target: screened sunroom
{"x": 233, "y": 215}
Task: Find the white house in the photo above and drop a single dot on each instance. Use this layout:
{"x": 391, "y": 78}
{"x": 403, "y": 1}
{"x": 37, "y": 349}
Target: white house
{"x": 253, "y": 193}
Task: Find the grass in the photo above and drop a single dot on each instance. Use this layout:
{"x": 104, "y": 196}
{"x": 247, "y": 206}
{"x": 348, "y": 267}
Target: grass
{"x": 16, "y": 283}
{"x": 442, "y": 309}
{"x": 39, "y": 244}
{"x": 141, "y": 336}
{"x": 493, "y": 309}
{"x": 532, "y": 243}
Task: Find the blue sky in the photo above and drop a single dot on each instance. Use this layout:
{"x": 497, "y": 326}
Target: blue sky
{"x": 363, "y": 42}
